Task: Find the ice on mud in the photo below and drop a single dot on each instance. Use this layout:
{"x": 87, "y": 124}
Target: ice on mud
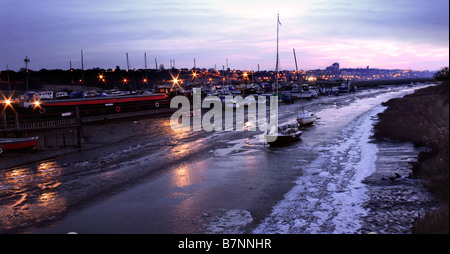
{"x": 330, "y": 201}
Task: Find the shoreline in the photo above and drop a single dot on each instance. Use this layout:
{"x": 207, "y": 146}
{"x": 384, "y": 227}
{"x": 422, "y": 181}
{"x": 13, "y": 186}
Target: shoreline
{"x": 422, "y": 119}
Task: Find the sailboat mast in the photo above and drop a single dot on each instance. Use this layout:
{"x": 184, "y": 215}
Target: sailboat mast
{"x": 227, "y": 71}
{"x": 128, "y": 63}
{"x": 296, "y": 67}
{"x": 27, "y": 60}
{"x": 296, "y": 70}
{"x": 71, "y": 75}
{"x": 9, "y": 84}
{"x": 145, "y": 61}
{"x": 276, "y": 67}
{"x": 132, "y": 76}
{"x": 82, "y": 71}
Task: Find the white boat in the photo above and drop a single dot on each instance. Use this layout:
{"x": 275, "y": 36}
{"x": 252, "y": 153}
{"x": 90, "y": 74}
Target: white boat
{"x": 44, "y": 95}
{"x": 62, "y": 95}
{"x": 298, "y": 93}
{"x": 306, "y": 118}
{"x": 307, "y": 92}
{"x": 27, "y": 100}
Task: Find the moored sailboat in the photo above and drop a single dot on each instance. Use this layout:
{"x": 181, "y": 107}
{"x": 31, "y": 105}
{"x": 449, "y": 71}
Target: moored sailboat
{"x": 284, "y": 135}
{"x": 304, "y": 118}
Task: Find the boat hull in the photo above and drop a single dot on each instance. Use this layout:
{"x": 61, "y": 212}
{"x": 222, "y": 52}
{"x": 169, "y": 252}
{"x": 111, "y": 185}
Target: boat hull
{"x": 91, "y": 106}
{"x": 278, "y": 139}
{"x": 18, "y": 143}
{"x": 306, "y": 120}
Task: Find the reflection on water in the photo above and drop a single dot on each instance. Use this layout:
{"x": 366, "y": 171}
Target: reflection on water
{"x": 182, "y": 177}
{"x": 29, "y": 195}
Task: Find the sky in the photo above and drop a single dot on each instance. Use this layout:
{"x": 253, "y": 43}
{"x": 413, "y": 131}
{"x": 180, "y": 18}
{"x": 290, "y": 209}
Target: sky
{"x": 389, "y": 34}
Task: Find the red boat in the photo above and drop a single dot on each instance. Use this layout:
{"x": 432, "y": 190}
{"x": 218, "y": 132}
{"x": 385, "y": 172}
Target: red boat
{"x": 18, "y": 143}
{"x": 55, "y": 109}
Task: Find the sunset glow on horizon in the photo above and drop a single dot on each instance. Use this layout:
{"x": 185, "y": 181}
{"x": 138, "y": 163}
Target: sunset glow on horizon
{"x": 380, "y": 34}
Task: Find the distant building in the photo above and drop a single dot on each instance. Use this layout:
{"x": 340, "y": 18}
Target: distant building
{"x": 334, "y": 67}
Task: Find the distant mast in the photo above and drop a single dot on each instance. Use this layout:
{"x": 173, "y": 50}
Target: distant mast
{"x": 276, "y": 67}
{"x": 82, "y": 71}
{"x": 145, "y": 62}
{"x": 71, "y": 73}
{"x": 9, "y": 84}
{"x": 128, "y": 63}
{"x": 296, "y": 70}
{"x": 132, "y": 76}
{"x": 26, "y": 60}
{"x": 227, "y": 71}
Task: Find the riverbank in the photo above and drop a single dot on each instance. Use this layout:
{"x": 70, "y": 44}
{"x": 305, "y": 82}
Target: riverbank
{"x": 423, "y": 119}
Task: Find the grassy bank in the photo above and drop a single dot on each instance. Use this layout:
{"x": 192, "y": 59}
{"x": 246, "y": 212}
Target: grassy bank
{"x": 423, "y": 118}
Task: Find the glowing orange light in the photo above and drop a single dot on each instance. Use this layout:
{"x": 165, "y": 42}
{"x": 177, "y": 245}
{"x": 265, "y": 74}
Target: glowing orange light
{"x": 37, "y": 104}
{"x": 6, "y": 101}
{"x": 175, "y": 79}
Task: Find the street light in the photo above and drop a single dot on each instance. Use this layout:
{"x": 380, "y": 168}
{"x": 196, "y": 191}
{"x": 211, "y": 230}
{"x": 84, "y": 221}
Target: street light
{"x": 101, "y": 78}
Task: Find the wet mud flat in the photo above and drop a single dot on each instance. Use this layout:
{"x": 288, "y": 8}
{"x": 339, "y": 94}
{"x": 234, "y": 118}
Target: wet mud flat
{"x": 396, "y": 198}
